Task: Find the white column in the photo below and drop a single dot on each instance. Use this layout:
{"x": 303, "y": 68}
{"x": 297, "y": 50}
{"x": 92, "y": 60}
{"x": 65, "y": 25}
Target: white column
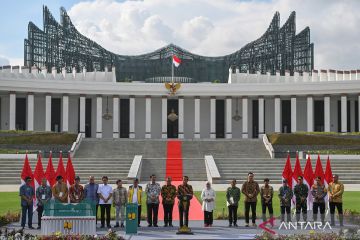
{"x": 115, "y": 117}
{"x": 212, "y": 117}
{"x": 228, "y": 118}
{"x": 164, "y": 117}
{"x": 30, "y": 112}
{"x": 310, "y": 114}
{"x": 245, "y": 118}
{"x": 197, "y": 117}
{"x": 82, "y": 114}
{"x": 261, "y": 116}
{"x": 181, "y": 118}
{"x": 327, "y": 114}
{"x": 148, "y": 117}
{"x": 65, "y": 113}
{"x": 343, "y": 114}
{"x": 277, "y": 113}
{"x": 293, "y": 115}
{"x": 132, "y": 117}
{"x": 99, "y": 117}
{"x": 12, "y": 111}
{"x": 48, "y": 113}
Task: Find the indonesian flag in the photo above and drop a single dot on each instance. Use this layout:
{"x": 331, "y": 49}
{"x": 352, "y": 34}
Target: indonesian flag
{"x": 287, "y": 172}
{"x": 319, "y": 172}
{"x": 27, "y": 172}
{"x": 296, "y": 173}
{"x": 70, "y": 172}
{"x": 60, "y": 171}
{"x": 328, "y": 173}
{"x": 50, "y": 172}
{"x": 38, "y": 173}
{"x": 309, "y": 181}
{"x": 176, "y": 61}
{"x": 328, "y": 178}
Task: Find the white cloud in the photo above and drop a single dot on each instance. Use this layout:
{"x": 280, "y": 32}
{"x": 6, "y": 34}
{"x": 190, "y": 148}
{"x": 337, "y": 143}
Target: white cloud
{"x": 4, "y": 61}
{"x": 214, "y": 28}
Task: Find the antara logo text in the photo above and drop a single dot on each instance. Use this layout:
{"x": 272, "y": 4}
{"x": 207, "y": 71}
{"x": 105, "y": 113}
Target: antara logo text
{"x": 295, "y": 226}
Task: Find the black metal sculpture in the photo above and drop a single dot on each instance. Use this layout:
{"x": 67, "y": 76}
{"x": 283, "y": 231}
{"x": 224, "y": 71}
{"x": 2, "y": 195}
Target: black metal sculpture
{"x": 61, "y": 45}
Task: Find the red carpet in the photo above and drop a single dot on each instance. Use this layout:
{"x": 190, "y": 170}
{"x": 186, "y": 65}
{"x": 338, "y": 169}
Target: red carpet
{"x": 174, "y": 160}
{"x": 174, "y": 169}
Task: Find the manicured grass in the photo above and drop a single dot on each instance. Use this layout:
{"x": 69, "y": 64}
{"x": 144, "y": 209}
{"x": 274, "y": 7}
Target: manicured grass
{"x": 40, "y": 138}
{"x": 10, "y": 201}
{"x": 351, "y": 201}
{"x": 12, "y": 151}
{"x": 337, "y": 151}
{"x": 311, "y": 139}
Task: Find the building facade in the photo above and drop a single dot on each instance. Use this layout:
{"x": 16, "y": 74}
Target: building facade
{"x": 247, "y": 106}
{"x": 60, "y": 45}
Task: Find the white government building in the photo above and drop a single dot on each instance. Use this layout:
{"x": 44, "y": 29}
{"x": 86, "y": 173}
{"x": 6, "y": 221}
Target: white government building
{"x": 248, "y": 106}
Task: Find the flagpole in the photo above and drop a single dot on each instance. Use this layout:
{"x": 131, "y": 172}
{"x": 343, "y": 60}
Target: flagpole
{"x": 172, "y": 70}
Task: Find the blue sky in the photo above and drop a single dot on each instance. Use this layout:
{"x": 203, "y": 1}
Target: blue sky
{"x": 15, "y": 16}
{"x": 206, "y": 27}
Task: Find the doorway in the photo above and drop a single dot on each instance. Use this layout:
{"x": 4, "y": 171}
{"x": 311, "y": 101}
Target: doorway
{"x": 172, "y": 118}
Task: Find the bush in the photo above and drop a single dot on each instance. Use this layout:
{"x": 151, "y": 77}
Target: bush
{"x": 9, "y": 217}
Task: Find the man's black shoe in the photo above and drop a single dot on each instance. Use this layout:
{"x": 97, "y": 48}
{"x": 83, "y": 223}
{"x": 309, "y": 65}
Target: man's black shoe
{"x": 108, "y": 226}
{"x": 165, "y": 225}
{"x": 235, "y": 225}
{"x": 150, "y": 225}
{"x": 122, "y": 225}
{"x": 155, "y": 225}
{"x": 170, "y": 225}
{"x": 102, "y": 226}
{"x": 39, "y": 227}
{"x": 230, "y": 225}
{"x": 116, "y": 225}
{"x": 31, "y": 227}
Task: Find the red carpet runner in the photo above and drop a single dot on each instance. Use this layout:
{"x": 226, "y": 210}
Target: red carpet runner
{"x": 174, "y": 169}
{"x": 174, "y": 160}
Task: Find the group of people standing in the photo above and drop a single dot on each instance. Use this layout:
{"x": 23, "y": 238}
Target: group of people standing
{"x": 105, "y": 196}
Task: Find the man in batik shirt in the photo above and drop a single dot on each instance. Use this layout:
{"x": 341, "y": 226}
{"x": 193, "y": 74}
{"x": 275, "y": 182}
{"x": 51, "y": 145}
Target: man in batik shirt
{"x": 168, "y": 194}
{"x": 76, "y": 191}
{"x": 184, "y": 194}
{"x": 153, "y": 191}
{"x": 250, "y": 189}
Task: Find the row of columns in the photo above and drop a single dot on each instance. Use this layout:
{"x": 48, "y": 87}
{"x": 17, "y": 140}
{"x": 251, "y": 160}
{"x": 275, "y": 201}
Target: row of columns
{"x": 228, "y": 115}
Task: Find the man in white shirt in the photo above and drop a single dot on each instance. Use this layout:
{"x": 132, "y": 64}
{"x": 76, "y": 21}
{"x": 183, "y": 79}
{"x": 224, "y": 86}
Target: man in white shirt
{"x": 105, "y": 195}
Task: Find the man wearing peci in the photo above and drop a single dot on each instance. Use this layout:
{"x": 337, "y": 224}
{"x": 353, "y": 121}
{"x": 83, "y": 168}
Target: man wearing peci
{"x": 168, "y": 194}
{"x": 135, "y": 194}
{"x": 232, "y": 200}
{"x": 90, "y": 193}
{"x": 105, "y": 194}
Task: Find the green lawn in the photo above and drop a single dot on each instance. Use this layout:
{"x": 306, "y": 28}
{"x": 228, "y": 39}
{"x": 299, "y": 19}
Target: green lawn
{"x": 9, "y": 201}
{"x": 311, "y": 139}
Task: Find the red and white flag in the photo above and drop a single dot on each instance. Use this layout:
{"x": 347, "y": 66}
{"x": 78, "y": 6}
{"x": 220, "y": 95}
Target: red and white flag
{"x": 296, "y": 173}
{"x": 26, "y": 172}
{"x": 70, "y": 172}
{"x": 50, "y": 172}
{"x": 38, "y": 175}
{"x": 176, "y": 61}
{"x": 60, "y": 171}
{"x": 319, "y": 171}
{"x": 328, "y": 173}
{"x": 287, "y": 172}
{"x": 309, "y": 181}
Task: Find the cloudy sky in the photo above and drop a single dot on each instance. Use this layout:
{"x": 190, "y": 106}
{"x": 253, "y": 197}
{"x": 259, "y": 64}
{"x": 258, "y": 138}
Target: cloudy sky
{"x": 206, "y": 27}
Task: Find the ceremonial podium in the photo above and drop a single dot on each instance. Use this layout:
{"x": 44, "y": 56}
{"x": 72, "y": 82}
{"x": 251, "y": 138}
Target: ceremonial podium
{"x": 131, "y": 218}
{"x": 72, "y": 218}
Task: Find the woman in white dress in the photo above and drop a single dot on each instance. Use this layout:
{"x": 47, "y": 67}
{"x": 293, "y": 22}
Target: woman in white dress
{"x": 208, "y": 204}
